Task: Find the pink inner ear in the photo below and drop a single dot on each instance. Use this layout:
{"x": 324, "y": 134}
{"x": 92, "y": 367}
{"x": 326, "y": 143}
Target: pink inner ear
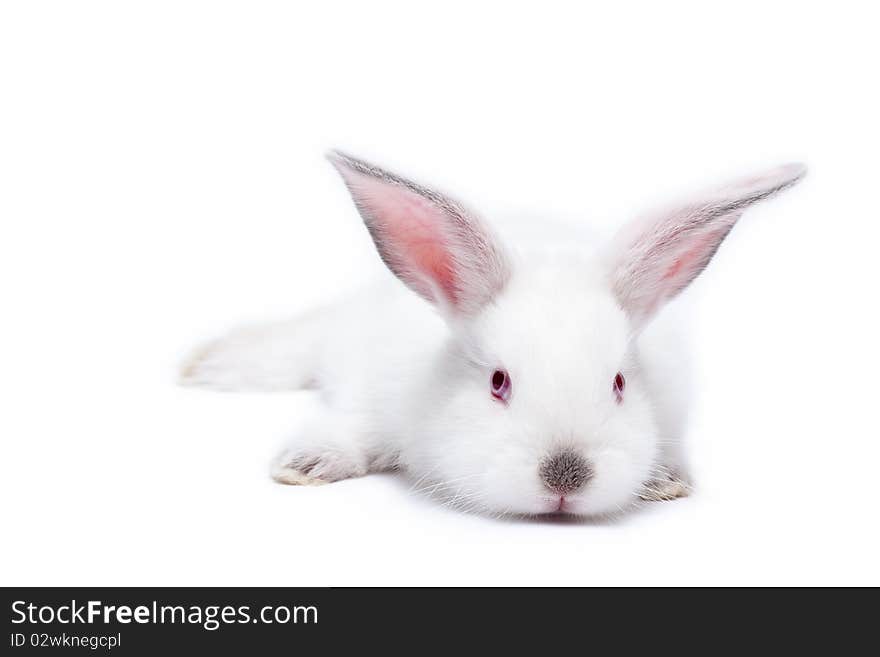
{"x": 689, "y": 259}
{"x": 690, "y": 262}
{"x": 410, "y": 229}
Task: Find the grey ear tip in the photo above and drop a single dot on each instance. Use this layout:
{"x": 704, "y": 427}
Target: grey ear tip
{"x": 345, "y": 162}
{"x": 775, "y": 180}
{"x": 797, "y": 169}
{"x": 336, "y": 157}
{"x": 792, "y": 173}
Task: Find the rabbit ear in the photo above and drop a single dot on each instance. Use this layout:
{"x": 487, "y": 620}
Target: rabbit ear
{"x": 440, "y": 250}
{"x": 654, "y": 258}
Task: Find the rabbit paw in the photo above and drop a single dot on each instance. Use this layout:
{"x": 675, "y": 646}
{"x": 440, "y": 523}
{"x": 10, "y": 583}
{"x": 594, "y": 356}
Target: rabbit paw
{"x": 315, "y": 468}
{"x": 668, "y": 486}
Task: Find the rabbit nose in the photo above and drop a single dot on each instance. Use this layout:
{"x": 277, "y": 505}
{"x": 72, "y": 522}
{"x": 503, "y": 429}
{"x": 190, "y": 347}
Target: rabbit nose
{"x": 565, "y": 472}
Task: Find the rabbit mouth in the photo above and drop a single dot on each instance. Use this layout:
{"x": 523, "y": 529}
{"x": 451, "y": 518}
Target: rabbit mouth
{"x": 561, "y": 505}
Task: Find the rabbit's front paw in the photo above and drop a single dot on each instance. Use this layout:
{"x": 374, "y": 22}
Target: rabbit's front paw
{"x": 666, "y": 486}
{"x": 315, "y": 468}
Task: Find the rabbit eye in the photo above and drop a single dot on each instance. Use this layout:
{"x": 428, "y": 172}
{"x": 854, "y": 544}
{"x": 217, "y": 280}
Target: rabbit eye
{"x": 619, "y": 385}
{"x": 500, "y": 385}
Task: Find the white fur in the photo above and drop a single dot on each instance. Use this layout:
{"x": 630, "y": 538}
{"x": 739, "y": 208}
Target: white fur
{"x": 406, "y": 385}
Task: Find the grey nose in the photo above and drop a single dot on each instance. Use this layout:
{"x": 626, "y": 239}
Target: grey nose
{"x": 565, "y": 472}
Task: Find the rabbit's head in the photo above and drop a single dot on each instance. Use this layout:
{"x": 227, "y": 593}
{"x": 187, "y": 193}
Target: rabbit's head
{"x": 537, "y": 403}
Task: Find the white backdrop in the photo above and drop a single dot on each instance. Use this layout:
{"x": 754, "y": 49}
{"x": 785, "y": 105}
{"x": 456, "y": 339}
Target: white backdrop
{"x": 161, "y": 180}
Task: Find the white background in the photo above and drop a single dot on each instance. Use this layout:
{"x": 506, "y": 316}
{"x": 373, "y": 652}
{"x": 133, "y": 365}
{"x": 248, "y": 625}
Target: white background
{"x": 161, "y": 180}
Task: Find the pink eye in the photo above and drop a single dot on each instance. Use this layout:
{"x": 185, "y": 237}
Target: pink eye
{"x": 500, "y": 385}
{"x": 619, "y": 385}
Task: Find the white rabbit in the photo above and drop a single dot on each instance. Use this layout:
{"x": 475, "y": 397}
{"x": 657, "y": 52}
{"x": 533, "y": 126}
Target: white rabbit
{"x": 514, "y": 381}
